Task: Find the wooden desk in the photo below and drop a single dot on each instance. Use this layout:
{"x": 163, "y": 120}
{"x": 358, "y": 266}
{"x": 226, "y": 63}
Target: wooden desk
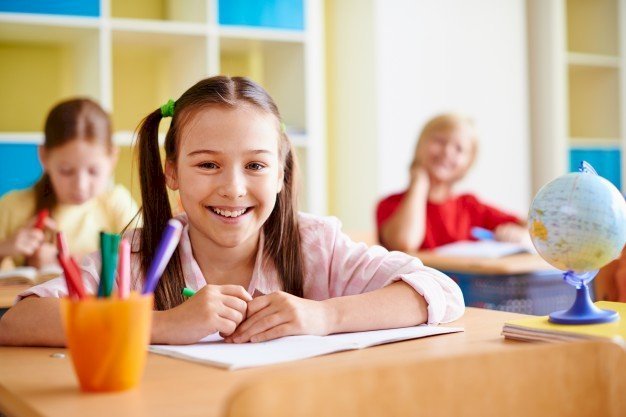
{"x": 9, "y": 292}
{"x": 523, "y": 263}
{"x": 476, "y": 372}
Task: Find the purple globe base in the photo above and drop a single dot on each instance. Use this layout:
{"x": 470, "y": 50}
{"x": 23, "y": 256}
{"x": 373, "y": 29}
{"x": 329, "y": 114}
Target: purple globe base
{"x": 583, "y": 311}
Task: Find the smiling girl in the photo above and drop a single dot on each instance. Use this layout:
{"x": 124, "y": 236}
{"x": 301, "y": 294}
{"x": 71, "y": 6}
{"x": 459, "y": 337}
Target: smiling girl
{"x": 428, "y": 214}
{"x": 234, "y": 167}
{"x": 78, "y": 157}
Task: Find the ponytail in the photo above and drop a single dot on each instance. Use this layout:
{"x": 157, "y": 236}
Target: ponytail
{"x": 155, "y": 212}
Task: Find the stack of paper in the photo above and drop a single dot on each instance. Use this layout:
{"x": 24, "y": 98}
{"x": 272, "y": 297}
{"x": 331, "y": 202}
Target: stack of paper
{"x": 541, "y": 330}
{"x": 213, "y": 351}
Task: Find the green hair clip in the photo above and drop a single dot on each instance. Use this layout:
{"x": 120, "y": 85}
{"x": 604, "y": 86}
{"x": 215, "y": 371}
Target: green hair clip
{"x": 167, "y": 110}
{"x": 283, "y": 128}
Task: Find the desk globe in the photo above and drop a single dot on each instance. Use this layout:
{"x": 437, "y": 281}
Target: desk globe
{"x": 577, "y": 223}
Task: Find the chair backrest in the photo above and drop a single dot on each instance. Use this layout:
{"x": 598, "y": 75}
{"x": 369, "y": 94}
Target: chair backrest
{"x": 564, "y": 379}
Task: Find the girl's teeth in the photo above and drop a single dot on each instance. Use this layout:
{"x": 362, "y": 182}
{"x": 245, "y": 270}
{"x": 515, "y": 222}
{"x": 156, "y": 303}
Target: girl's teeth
{"x": 227, "y": 213}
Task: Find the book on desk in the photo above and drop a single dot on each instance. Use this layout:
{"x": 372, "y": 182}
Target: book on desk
{"x": 540, "y": 329}
{"x": 29, "y": 275}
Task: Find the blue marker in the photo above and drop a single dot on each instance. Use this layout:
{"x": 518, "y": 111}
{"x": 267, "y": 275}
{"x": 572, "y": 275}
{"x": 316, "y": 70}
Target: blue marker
{"x": 481, "y": 233}
{"x": 167, "y": 246}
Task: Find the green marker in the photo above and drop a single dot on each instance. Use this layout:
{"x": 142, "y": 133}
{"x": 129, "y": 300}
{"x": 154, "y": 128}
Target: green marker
{"x": 188, "y": 292}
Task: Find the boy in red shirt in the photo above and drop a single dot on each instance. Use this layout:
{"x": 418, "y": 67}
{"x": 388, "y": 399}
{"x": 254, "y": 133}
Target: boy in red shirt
{"x": 428, "y": 214}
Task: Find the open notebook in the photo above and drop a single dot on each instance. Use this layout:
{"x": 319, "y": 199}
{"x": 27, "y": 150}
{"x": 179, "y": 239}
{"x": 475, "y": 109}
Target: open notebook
{"x": 213, "y": 351}
{"x": 481, "y": 249}
{"x": 29, "y": 275}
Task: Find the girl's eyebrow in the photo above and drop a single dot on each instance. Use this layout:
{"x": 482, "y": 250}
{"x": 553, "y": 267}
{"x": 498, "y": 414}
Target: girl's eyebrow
{"x": 212, "y": 152}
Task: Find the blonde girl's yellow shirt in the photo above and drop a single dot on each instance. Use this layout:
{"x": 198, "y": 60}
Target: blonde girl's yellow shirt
{"x": 81, "y": 224}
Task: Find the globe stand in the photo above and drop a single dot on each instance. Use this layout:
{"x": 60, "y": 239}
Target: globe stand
{"x": 582, "y": 311}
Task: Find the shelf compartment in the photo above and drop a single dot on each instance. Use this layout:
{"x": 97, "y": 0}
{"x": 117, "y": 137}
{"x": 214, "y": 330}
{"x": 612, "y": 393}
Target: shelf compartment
{"x": 594, "y": 105}
{"x": 285, "y": 14}
{"x": 606, "y": 162}
{"x": 173, "y": 10}
{"x": 592, "y": 26}
{"x": 149, "y": 69}
{"x": 53, "y": 64}
{"x": 19, "y": 166}
{"x": 64, "y": 7}
{"x": 277, "y": 66}
{"x": 593, "y": 60}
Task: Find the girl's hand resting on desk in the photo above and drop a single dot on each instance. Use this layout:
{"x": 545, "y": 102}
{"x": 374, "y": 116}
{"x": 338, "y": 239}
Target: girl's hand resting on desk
{"x": 214, "y": 308}
{"x": 281, "y": 314}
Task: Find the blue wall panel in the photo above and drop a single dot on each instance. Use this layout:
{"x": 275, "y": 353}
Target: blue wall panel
{"x": 19, "y": 166}
{"x": 605, "y": 161}
{"x": 89, "y": 8}
{"x": 280, "y": 14}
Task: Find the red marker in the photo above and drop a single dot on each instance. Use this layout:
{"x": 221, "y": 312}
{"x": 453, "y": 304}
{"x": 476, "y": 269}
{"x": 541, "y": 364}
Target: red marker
{"x": 41, "y": 219}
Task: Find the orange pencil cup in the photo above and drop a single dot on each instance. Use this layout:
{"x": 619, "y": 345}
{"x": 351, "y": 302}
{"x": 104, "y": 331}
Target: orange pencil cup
{"x": 108, "y": 340}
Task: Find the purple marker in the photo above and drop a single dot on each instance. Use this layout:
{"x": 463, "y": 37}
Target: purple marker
{"x": 167, "y": 245}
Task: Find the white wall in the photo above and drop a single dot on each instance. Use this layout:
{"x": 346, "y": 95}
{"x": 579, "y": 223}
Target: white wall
{"x": 464, "y": 55}
{"x": 393, "y": 64}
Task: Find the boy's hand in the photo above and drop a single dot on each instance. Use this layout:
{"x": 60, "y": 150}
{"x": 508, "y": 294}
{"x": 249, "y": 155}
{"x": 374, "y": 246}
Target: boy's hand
{"x": 281, "y": 314}
{"x": 514, "y": 233}
{"x": 214, "y": 308}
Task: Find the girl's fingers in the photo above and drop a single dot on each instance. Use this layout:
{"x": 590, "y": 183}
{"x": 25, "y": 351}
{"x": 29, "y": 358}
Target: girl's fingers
{"x": 231, "y": 314}
{"x": 224, "y": 326}
{"x": 259, "y": 304}
{"x": 259, "y": 326}
{"x": 236, "y": 291}
{"x": 281, "y": 330}
{"x": 253, "y": 318}
{"x": 236, "y": 304}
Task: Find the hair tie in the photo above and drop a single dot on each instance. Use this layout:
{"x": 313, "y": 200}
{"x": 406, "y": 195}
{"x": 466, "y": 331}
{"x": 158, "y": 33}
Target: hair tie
{"x": 167, "y": 110}
{"x": 283, "y": 128}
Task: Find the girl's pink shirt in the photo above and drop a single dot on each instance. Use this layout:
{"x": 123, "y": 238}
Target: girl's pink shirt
{"x": 335, "y": 266}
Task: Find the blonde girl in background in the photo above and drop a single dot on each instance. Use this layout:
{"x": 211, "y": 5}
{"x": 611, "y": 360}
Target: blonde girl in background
{"x": 429, "y": 213}
{"x": 235, "y": 170}
{"x": 78, "y": 157}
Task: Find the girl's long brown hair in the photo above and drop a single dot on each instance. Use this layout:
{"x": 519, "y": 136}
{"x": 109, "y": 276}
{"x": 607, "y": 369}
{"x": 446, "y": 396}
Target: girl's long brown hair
{"x": 78, "y": 118}
{"x": 282, "y": 236}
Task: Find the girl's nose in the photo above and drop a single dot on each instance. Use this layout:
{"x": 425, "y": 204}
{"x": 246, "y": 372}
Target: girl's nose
{"x": 233, "y": 185}
{"x": 81, "y": 182}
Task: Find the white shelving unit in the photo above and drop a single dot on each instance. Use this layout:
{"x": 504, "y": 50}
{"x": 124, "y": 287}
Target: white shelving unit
{"x": 578, "y": 82}
{"x": 137, "y": 55}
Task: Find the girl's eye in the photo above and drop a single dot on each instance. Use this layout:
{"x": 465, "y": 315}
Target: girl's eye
{"x": 94, "y": 172}
{"x": 208, "y": 165}
{"x": 65, "y": 172}
{"x": 255, "y": 166}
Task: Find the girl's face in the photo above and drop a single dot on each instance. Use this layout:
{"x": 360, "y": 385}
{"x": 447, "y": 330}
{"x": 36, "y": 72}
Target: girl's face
{"x": 228, "y": 173}
{"x": 79, "y": 170}
{"x": 447, "y": 154}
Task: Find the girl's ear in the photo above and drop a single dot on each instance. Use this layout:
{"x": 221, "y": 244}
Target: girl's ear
{"x": 281, "y": 180}
{"x": 43, "y": 157}
{"x": 115, "y": 151}
{"x": 171, "y": 179}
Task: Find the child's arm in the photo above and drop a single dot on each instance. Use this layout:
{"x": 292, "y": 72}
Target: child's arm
{"x": 34, "y": 321}
{"x": 406, "y": 228}
{"x": 281, "y": 314}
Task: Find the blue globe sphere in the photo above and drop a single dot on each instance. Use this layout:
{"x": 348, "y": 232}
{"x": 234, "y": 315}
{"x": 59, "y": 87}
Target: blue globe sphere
{"x": 577, "y": 222}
